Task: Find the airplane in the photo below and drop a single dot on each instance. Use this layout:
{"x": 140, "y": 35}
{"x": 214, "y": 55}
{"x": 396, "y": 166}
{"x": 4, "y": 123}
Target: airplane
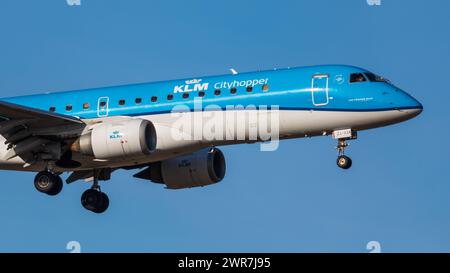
{"x": 93, "y": 132}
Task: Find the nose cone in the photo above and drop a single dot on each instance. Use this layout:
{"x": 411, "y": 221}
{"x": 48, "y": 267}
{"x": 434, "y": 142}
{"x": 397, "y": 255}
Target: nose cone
{"x": 410, "y": 106}
{"x": 414, "y": 112}
{"x": 418, "y": 108}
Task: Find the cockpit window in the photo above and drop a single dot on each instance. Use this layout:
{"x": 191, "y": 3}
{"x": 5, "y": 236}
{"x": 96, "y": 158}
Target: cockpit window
{"x": 357, "y": 77}
{"x": 375, "y": 78}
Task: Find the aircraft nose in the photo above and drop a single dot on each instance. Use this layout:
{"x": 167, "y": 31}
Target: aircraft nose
{"x": 415, "y": 104}
{"x": 414, "y": 112}
{"x": 412, "y": 107}
{"x": 405, "y": 101}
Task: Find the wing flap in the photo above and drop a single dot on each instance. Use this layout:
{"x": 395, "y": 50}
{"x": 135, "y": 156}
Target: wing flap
{"x": 29, "y": 131}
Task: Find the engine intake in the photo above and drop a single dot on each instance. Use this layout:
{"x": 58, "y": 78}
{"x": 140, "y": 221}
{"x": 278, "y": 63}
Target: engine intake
{"x": 118, "y": 139}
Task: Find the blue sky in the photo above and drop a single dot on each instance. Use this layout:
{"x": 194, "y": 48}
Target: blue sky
{"x": 291, "y": 200}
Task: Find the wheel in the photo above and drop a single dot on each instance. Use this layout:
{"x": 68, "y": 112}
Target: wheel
{"x": 89, "y": 199}
{"x": 95, "y": 201}
{"x": 58, "y": 187}
{"x": 104, "y": 203}
{"x": 48, "y": 183}
{"x": 344, "y": 162}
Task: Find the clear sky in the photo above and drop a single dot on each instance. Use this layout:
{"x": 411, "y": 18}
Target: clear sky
{"x": 291, "y": 200}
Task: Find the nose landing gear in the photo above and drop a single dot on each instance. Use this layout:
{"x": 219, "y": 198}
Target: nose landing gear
{"x": 343, "y": 161}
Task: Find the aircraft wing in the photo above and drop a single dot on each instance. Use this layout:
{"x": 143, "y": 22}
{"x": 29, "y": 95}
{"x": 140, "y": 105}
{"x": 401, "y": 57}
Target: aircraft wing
{"x": 30, "y": 131}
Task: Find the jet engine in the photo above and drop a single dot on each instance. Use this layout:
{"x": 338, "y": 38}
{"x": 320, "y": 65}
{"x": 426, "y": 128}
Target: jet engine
{"x": 118, "y": 139}
{"x": 202, "y": 168}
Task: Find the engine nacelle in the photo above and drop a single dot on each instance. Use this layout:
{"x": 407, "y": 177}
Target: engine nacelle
{"x": 118, "y": 139}
{"x": 201, "y": 168}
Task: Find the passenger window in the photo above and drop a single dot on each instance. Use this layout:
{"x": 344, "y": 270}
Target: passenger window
{"x": 86, "y": 105}
{"x": 121, "y": 102}
{"x": 357, "y": 77}
{"x": 201, "y": 94}
{"x": 233, "y": 90}
{"x": 154, "y": 99}
{"x": 138, "y": 100}
{"x": 265, "y": 87}
{"x": 52, "y": 109}
{"x": 249, "y": 88}
{"x": 68, "y": 107}
{"x": 185, "y": 95}
{"x": 217, "y": 92}
{"x": 102, "y": 103}
{"x": 169, "y": 97}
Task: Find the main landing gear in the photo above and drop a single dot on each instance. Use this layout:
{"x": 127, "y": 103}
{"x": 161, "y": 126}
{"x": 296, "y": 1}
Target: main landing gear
{"x": 48, "y": 183}
{"x": 94, "y": 199}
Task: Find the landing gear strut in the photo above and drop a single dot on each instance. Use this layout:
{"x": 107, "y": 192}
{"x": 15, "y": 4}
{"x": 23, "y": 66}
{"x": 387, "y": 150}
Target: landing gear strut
{"x": 343, "y": 161}
{"x": 94, "y": 199}
{"x": 48, "y": 183}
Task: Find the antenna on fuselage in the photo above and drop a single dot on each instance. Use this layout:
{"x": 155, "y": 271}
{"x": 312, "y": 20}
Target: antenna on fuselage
{"x": 233, "y": 71}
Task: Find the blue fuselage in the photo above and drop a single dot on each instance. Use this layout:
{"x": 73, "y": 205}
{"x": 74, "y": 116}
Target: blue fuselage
{"x": 318, "y": 88}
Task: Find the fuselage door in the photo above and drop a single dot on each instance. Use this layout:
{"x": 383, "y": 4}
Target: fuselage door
{"x": 319, "y": 89}
{"x": 102, "y": 106}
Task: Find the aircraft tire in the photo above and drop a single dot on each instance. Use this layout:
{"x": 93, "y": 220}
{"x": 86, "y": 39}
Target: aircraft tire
{"x": 103, "y": 204}
{"x": 95, "y": 201}
{"x": 344, "y": 162}
{"x": 48, "y": 183}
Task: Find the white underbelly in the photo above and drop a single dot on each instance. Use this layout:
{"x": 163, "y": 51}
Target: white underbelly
{"x": 187, "y": 132}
